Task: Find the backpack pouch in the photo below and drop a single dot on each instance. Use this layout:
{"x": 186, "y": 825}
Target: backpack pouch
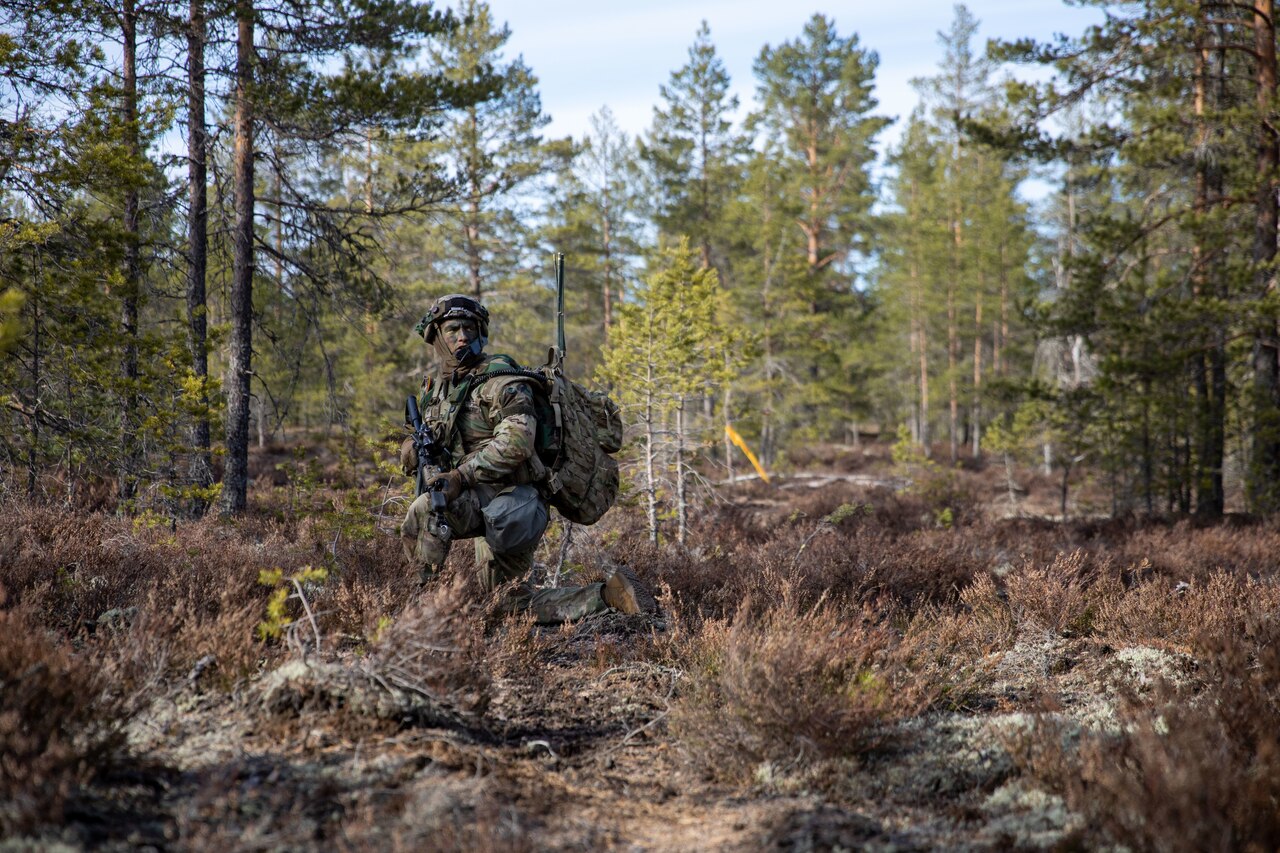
{"x": 514, "y": 520}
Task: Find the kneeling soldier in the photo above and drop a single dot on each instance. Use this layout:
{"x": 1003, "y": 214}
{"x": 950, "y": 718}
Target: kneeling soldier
{"x": 492, "y": 492}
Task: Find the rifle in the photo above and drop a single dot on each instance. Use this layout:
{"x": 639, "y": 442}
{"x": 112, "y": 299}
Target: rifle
{"x": 433, "y": 458}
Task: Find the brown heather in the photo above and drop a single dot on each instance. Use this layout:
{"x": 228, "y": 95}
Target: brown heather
{"x": 1188, "y": 768}
{"x": 818, "y": 643}
{"x": 62, "y": 720}
{"x": 784, "y": 689}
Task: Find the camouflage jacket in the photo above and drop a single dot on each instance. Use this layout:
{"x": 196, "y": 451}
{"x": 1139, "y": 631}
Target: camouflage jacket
{"x": 493, "y": 429}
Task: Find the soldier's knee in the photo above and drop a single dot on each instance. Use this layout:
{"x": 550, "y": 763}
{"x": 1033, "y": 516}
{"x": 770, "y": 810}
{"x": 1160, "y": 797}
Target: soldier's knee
{"x": 422, "y": 548}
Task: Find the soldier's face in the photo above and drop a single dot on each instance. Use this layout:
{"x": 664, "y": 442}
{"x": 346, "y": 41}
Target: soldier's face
{"x": 459, "y": 332}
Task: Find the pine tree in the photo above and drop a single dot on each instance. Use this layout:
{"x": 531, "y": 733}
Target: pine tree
{"x": 1187, "y": 146}
{"x": 909, "y": 275}
{"x": 814, "y": 117}
{"x": 594, "y": 218}
{"x": 494, "y": 149}
{"x": 82, "y": 196}
{"x": 670, "y": 344}
{"x": 294, "y": 103}
{"x": 694, "y": 155}
{"x": 200, "y": 467}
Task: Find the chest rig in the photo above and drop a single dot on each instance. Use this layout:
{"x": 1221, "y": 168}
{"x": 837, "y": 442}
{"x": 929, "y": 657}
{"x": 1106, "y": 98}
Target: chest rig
{"x": 454, "y": 409}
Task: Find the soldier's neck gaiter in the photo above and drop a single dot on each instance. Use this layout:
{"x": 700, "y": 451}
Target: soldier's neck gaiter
{"x": 448, "y": 361}
{"x": 451, "y": 364}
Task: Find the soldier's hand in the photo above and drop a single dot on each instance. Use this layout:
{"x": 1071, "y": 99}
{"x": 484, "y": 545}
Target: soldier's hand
{"x": 449, "y": 483}
{"x": 408, "y": 457}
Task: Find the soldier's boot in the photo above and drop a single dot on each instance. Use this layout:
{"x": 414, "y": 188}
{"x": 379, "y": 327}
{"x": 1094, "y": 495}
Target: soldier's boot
{"x": 624, "y": 592}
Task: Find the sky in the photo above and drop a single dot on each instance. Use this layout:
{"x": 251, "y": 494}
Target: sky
{"x": 591, "y": 53}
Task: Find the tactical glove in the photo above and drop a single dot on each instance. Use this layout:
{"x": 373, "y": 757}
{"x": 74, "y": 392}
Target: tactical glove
{"x": 452, "y": 487}
{"x": 408, "y": 458}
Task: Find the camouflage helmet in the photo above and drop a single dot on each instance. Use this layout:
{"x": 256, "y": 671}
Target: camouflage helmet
{"x": 452, "y": 306}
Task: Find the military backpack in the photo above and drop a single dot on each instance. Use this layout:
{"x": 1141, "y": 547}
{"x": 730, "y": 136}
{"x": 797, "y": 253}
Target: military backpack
{"x": 578, "y": 431}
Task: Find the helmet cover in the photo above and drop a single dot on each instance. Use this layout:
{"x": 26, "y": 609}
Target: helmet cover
{"x": 451, "y": 306}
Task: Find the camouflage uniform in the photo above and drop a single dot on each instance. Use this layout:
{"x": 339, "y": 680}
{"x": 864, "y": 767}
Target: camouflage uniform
{"x": 500, "y": 505}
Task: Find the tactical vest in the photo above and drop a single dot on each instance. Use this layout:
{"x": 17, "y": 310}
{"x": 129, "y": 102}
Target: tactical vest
{"x": 577, "y": 433}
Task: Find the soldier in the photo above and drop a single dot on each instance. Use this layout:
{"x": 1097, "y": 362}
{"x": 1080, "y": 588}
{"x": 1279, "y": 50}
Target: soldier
{"x": 494, "y": 489}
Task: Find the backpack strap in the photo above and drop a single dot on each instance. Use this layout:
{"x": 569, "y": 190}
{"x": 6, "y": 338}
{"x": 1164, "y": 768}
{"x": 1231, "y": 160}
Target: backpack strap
{"x": 501, "y": 365}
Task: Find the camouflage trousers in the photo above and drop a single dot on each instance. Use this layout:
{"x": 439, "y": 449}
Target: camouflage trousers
{"x": 502, "y": 555}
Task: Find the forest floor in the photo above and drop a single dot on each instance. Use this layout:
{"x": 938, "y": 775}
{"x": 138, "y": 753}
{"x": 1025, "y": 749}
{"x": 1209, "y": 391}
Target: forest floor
{"x": 857, "y": 657}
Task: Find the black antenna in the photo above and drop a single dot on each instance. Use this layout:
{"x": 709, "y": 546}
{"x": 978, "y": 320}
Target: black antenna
{"x": 560, "y": 347}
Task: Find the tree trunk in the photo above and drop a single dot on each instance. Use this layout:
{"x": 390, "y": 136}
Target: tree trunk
{"x": 472, "y": 225}
{"x": 1148, "y": 453}
{"x": 651, "y": 485}
{"x": 922, "y": 332}
{"x": 1264, "y": 485}
{"x": 201, "y": 469}
{"x": 682, "y": 485}
{"x": 1001, "y": 334}
{"x": 1008, "y": 480}
{"x": 1066, "y": 482}
{"x": 259, "y": 406}
{"x": 704, "y": 208}
{"x": 726, "y": 415}
{"x": 976, "y": 413}
{"x": 607, "y": 289}
{"x": 130, "y": 459}
{"x": 33, "y": 398}
{"x": 1207, "y": 474}
{"x": 235, "y": 479}
{"x": 953, "y": 349}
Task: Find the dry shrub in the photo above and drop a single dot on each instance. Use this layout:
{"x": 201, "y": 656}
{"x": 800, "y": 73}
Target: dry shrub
{"x": 956, "y": 650}
{"x": 1160, "y": 613}
{"x": 1064, "y": 595}
{"x": 197, "y": 583}
{"x": 842, "y": 458}
{"x": 435, "y": 649}
{"x": 1184, "y": 551}
{"x": 787, "y": 687}
{"x": 1182, "y": 772}
{"x": 423, "y": 668}
{"x": 372, "y": 580}
{"x": 62, "y": 719}
{"x": 844, "y": 556}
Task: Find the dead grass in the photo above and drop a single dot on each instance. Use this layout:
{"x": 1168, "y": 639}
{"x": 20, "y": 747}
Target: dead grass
{"x": 786, "y": 688}
{"x": 1180, "y": 616}
{"x": 436, "y": 649}
{"x": 1063, "y": 595}
{"x": 957, "y": 649}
